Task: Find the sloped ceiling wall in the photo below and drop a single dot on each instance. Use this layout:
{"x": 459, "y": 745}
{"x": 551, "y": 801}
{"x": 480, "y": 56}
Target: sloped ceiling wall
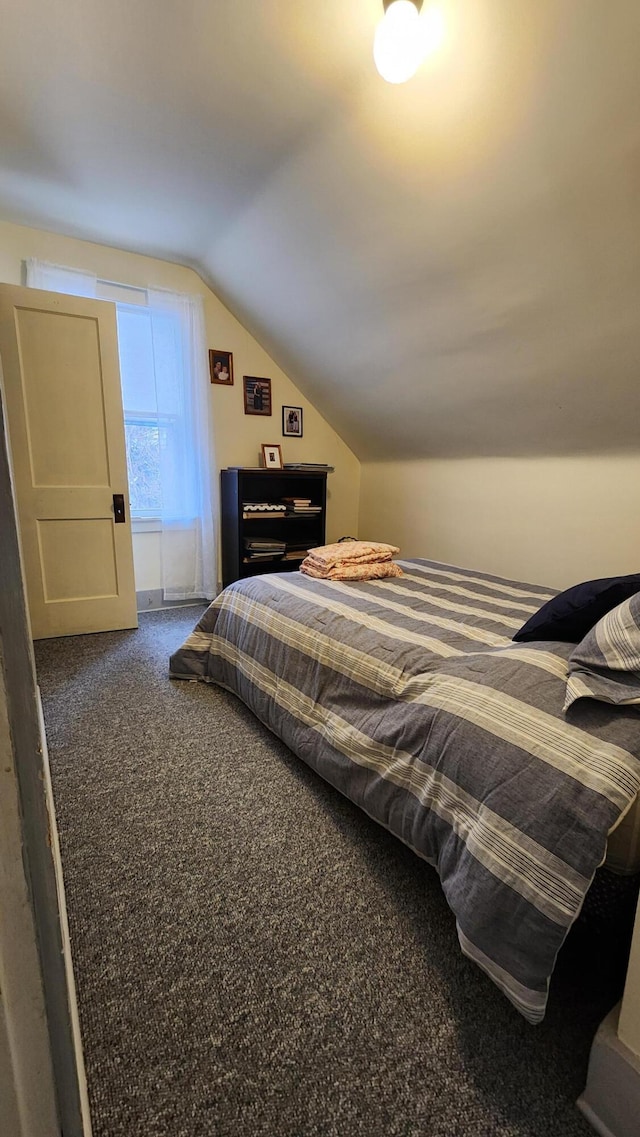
{"x": 450, "y": 267}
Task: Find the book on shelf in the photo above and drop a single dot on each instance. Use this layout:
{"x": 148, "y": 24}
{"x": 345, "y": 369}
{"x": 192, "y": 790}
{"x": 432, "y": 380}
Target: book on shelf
{"x": 263, "y": 507}
{"x": 262, "y": 516}
{"x": 263, "y": 549}
{"x": 301, "y": 506}
{"x": 264, "y": 545}
{"x": 296, "y": 550}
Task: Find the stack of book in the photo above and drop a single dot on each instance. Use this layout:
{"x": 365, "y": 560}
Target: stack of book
{"x": 258, "y": 509}
{"x": 296, "y": 551}
{"x": 301, "y": 506}
{"x": 263, "y": 549}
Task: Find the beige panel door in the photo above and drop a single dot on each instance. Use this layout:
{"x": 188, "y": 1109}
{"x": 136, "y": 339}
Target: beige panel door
{"x": 61, "y": 378}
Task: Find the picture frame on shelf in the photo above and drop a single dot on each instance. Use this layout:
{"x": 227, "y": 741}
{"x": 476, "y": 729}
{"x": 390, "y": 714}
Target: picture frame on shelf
{"x": 292, "y": 422}
{"x": 221, "y": 367}
{"x": 271, "y": 456}
{"x": 257, "y": 395}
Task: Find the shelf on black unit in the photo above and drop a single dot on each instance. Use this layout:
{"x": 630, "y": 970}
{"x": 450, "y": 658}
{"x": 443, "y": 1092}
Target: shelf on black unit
{"x": 244, "y": 485}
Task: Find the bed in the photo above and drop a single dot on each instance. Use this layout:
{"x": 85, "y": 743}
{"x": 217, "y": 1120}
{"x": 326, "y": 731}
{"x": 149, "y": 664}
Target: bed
{"x": 409, "y": 696}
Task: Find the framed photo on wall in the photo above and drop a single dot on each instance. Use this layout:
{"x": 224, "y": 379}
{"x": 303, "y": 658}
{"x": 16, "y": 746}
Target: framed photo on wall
{"x": 271, "y": 456}
{"x": 257, "y": 395}
{"x": 292, "y": 422}
{"x": 221, "y": 367}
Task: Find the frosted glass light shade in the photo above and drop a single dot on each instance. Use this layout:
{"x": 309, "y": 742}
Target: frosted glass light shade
{"x": 398, "y": 46}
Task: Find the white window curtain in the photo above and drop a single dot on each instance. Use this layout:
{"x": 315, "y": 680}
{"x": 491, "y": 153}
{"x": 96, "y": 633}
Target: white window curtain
{"x": 55, "y": 278}
{"x": 186, "y": 463}
{"x": 180, "y": 414}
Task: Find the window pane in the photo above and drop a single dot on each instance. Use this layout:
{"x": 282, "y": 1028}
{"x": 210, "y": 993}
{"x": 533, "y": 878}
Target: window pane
{"x": 160, "y": 463}
{"x": 168, "y": 362}
{"x": 136, "y": 360}
{"x": 143, "y": 465}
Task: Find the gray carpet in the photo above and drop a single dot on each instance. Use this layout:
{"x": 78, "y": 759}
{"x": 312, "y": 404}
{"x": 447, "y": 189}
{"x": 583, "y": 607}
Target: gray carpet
{"x": 253, "y": 955}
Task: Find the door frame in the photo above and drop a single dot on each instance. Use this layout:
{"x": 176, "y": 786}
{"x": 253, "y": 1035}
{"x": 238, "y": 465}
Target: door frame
{"x": 22, "y": 706}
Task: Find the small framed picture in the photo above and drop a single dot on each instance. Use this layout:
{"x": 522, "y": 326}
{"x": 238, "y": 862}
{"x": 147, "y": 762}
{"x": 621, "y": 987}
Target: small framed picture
{"x": 257, "y": 395}
{"x": 271, "y": 456}
{"x": 292, "y": 422}
{"x": 221, "y": 367}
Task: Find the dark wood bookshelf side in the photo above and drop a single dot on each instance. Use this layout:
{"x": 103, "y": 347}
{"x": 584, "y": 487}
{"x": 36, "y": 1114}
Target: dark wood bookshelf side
{"x": 242, "y": 485}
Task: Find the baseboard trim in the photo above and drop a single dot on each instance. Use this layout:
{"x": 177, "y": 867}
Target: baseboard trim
{"x": 593, "y": 1119}
{"x": 611, "y": 1100}
{"x": 72, "y": 997}
{"x": 150, "y": 600}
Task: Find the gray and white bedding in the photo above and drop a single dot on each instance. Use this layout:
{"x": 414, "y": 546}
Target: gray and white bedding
{"x": 410, "y": 698}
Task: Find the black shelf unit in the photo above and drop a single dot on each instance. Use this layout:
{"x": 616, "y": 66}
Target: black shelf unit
{"x": 244, "y": 485}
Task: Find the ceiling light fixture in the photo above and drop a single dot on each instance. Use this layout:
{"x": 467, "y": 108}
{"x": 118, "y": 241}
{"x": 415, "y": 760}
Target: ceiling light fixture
{"x": 403, "y": 38}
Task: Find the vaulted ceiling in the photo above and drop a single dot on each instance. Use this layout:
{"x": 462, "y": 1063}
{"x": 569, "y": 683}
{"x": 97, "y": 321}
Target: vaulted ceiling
{"x": 447, "y": 267}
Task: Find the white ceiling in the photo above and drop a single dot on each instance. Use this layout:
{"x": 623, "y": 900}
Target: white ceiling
{"x": 448, "y": 267}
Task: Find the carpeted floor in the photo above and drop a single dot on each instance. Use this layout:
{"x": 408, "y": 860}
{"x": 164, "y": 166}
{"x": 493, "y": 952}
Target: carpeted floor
{"x": 255, "y": 957}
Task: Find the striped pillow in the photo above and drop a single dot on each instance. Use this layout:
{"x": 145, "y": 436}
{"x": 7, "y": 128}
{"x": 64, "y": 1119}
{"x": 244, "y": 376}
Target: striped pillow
{"x": 606, "y": 663}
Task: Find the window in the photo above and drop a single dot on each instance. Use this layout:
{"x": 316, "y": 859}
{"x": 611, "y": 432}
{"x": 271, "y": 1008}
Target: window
{"x": 165, "y": 403}
{"x": 145, "y": 433}
{"x": 159, "y": 473}
{"x": 143, "y": 466}
{"x": 165, "y": 395}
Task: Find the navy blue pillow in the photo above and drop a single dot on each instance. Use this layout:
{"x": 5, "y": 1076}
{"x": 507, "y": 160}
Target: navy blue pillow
{"x": 573, "y": 613}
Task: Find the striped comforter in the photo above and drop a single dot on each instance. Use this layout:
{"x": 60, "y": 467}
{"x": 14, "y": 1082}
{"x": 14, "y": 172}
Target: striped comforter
{"x": 409, "y": 696}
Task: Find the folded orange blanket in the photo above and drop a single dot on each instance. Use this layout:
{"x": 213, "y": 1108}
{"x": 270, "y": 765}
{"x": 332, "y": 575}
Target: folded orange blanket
{"x": 351, "y": 553}
{"x": 373, "y": 570}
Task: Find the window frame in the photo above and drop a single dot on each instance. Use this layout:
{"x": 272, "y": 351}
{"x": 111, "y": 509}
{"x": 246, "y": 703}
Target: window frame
{"x": 136, "y": 302}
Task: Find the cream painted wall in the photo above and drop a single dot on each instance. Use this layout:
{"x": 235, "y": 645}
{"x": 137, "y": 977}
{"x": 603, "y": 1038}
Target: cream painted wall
{"x": 552, "y": 521}
{"x": 238, "y": 437}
